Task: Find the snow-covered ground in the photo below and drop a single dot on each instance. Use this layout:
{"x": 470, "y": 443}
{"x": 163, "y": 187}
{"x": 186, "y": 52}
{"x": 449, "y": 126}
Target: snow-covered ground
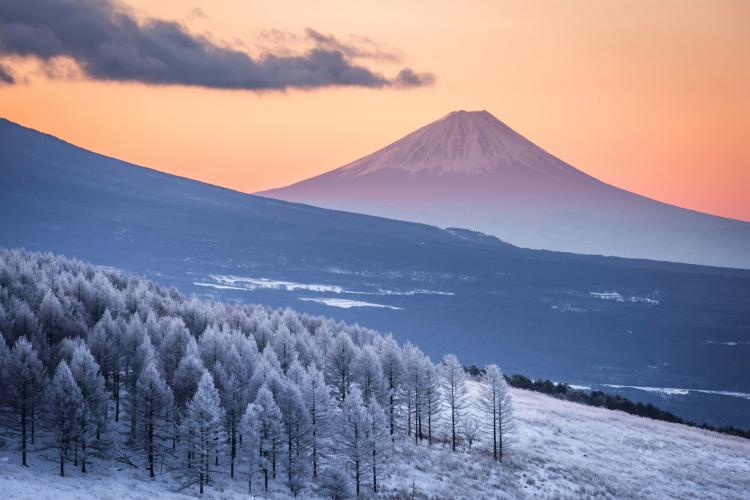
{"x": 562, "y": 450}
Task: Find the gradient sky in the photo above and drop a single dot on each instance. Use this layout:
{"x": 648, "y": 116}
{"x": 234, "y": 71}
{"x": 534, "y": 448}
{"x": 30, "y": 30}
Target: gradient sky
{"x": 651, "y": 96}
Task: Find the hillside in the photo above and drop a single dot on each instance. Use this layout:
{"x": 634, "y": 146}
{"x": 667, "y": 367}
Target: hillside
{"x": 584, "y": 319}
{"x": 563, "y": 450}
{"x": 469, "y": 169}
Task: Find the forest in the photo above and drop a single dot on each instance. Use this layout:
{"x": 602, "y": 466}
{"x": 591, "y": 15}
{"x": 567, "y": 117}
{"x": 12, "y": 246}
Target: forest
{"x": 98, "y": 365}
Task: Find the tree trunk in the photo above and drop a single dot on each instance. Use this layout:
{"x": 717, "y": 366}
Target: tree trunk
{"x": 23, "y": 434}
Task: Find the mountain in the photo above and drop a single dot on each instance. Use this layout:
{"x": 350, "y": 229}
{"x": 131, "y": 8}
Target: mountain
{"x": 469, "y": 169}
{"x": 585, "y": 319}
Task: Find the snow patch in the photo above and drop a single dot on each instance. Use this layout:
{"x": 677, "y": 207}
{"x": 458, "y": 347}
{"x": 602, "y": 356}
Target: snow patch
{"x": 346, "y": 303}
{"x": 264, "y": 283}
{"x": 673, "y": 391}
{"x": 619, "y": 297}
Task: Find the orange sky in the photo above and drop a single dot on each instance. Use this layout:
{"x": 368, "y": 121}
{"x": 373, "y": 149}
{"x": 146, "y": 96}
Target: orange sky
{"x": 649, "y": 96}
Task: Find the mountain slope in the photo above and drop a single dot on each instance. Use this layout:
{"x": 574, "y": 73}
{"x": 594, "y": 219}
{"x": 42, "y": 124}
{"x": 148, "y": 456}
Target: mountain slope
{"x": 584, "y": 319}
{"x": 563, "y": 450}
{"x": 468, "y": 169}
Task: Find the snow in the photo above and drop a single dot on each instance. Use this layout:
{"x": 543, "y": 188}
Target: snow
{"x": 227, "y": 282}
{"x": 562, "y": 450}
{"x": 619, "y": 297}
{"x": 673, "y": 391}
{"x": 255, "y": 283}
{"x": 346, "y": 303}
{"x": 469, "y": 143}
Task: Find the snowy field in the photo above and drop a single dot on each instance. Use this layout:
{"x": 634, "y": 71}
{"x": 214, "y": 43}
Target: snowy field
{"x": 562, "y": 450}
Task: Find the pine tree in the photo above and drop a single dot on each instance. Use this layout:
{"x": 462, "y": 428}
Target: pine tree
{"x": 85, "y": 371}
{"x": 368, "y": 373}
{"x": 496, "y": 407}
{"x": 186, "y": 379}
{"x": 52, "y": 317}
{"x": 341, "y": 365}
{"x": 204, "y": 422}
{"x": 392, "y": 371}
{"x": 431, "y": 396}
{"x": 23, "y": 378}
{"x": 351, "y": 439}
{"x": 454, "y": 392}
{"x": 295, "y": 422}
{"x": 318, "y": 400}
{"x": 261, "y": 426}
{"x": 154, "y": 403}
{"x": 64, "y": 410}
{"x": 377, "y": 441}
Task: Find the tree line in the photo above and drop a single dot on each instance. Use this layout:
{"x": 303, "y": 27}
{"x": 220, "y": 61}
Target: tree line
{"x": 96, "y": 364}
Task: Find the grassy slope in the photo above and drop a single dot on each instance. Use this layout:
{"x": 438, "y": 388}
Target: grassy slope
{"x": 562, "y": 449}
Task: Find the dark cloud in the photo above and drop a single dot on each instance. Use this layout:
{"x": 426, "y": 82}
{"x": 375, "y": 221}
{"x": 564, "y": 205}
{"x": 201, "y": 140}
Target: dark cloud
{"x": 5, "y": 76}
{"x": 108, "y": 43}
{"x": 408, "y": 78}
{"x": 355, "y": 47}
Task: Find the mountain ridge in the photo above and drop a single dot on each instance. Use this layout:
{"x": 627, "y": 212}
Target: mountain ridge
{"x": 470, "y": 170}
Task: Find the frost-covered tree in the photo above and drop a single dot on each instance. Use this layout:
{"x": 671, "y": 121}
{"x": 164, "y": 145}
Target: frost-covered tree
{"x": 431, "y": 396}
{"x": 413, "y": 363}
{"x": 175, "y": 345}
{"x": 469, "y": 428}
{"x": 378, "y": 443}
{"x": 341, "y": 365}
{"x": 106, "y": 342}
{"x": 52, "y": 317}
{"x": 186, "y": 379}
{"x": 497, "y": 410}
{"x": 392, "y": 373}
{"x": 85, "y": 371}
{"x": 296, "y": 421}
{"x": 335, "y": 483}
{"x": 455, "y": 395}
{"x": 203, "y": 422}
{"x": 352, "y": 436}
{"x": 261, "y": 426}
{"x": 284, "y": 345}
{"x": 291, "y": 366}
{"x": 154, "y": 404}
{"x": 318, "y": 400}
{"x": 65, "y": 408}
{"x": 232, "y": 386}
{"x": 23, "y": 380}
{"x": 368, "y": 374}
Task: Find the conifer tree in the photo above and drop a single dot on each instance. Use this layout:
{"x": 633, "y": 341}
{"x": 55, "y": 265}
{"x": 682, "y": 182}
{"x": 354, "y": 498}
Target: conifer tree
{"x": 23, "y": 379}
{"x": 85, "y": 371}
{"x": 261, "y": 425}
{"x": 454, "y": 392}
{"x": 496, "y": 407}
{"x": 204, "y": 422}
{"x": 65, "y": 408}
{"x": 154, "y": 404}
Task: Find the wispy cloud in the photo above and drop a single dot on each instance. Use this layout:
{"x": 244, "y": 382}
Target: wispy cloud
{"x": 107, "y": 42}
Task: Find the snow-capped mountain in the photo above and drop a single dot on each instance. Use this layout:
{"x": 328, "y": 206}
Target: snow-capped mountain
{"x": 469, "y": 169}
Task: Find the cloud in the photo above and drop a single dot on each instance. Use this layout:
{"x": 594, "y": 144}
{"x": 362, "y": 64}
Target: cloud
{"x": 356, "y": 47}
{"x": 197, "y": 13}
{"x": 107, "y": 42}
{"x": 6, "y": 77}
{"x": 408, "y": 78}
